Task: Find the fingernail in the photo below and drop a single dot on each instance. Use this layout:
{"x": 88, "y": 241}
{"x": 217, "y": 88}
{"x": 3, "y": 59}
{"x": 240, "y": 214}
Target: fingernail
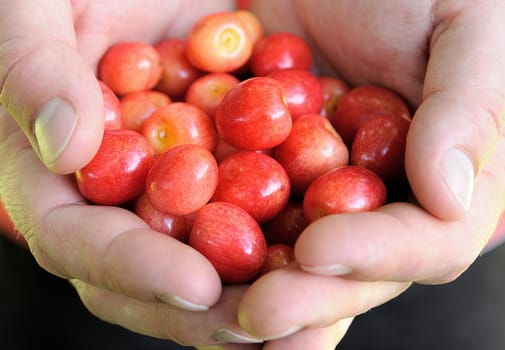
{"x": 183, "y": 303}
{"x": 224, "y": 335}
{"x": 328, "y": 270}
{"x": 292, "y": 330}
{"x": 458, "y": 173}
{"x": 53, "y": 128}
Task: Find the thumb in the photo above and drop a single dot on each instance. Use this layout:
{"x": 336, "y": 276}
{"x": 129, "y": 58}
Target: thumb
{"x": 457, "y": 127}
{"x": 46, "y": 85}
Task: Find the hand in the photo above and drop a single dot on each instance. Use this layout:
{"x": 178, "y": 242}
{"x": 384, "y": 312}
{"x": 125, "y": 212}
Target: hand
{"x": 129, "y": 275}
{"x": 48, "y": 56}
{"x": 450, "y": 65}
{"x": 52, "y": 111}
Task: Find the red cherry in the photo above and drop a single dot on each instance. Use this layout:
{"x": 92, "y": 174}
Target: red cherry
{"x": 379, "y": 145}
{"x": 177, "y": 124}
{"x": 118, "y": 171}
{"x": 278, "y": 256}
{"x": 286, "y": 227}
{"x": 281, "y": 50}
{"x": 138, "y": 106}
{"x": 312, "y": 148}
{"x": 112, "y": 108}
{"x": 252, "y": 23}
{"x": 346, "y": 189}
{"x": 231, "y": 240}
{"x": 177, "y": 72}
{"x": 130, "y": 66}
{"x": 172, "y": 225}
{"x": 302, "y": 89}
{"x": 182, "y": 180}
{"x": 333, "y": 89}
{"x": 363, "y": 103}
{"x": 254, "y": 115}
{"x": 208, "y": 91}
{"x": 219, "y": 42}
{"x": 255, "y": 182}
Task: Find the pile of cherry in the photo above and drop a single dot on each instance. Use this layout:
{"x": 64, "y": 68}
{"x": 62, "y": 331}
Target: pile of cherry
{"x": 227, "y": 141}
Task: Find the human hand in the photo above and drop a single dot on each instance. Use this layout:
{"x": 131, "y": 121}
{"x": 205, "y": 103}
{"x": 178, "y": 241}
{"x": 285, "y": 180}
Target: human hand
{"x": 457, "y": 91}
{"x": 450, "y": 65}
{"x": 129, "y": 275}
{"x": 124, "y": 272}
{"x": 51, "y": 49}
{"x": 59, "y": 166}
{"x": 49, "y": 52}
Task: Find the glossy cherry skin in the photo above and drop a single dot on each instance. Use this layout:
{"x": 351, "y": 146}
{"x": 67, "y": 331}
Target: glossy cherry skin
{"x": 231, "y": 240}
{"x": 312, "y": 148}
{"x": 281, "y": 50}
{"x": 182, "y": 180}
{"x": 130, "y": 66}
{"x": 208, "y": 91}
{"x": 219, "y": 42}
{"x": 177, "y": 72}
{"x": 254, "y": 115}
{"x": 363, "y": 103}
{"x": 286, "y": 227}
{"x": 333, "y": 89}
{"x": 255, "y": 182}
{"x": 347, "y": 189}
{"x": 138, "y": 106}
{"x": 112, "y": 108}
{"x": 379, "y": 145}
{"x": 223, "y": 150}
{"x": 278, "y": 256}
{"x": 302, "y": 89}
{"x": 179, "y": 123}
{"x": 118, "y": 171}
{"x": 252, "y": 23}
{"x": 172, "y": 225}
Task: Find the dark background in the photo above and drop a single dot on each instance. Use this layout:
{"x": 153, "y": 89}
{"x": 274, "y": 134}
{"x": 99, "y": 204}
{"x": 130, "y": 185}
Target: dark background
{"x": 39, "y": 310}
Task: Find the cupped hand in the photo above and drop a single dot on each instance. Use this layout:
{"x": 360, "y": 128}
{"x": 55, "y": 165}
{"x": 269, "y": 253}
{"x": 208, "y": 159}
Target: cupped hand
{"x": 426, "y": 51}
{"x": 127, "y": 274}
{"x": 51, "y": 122}
{"x": 48, "y": 58}
{"x": 449, "y": 63}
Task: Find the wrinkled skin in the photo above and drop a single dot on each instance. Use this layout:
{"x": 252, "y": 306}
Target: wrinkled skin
{"x": 445, "y": 57}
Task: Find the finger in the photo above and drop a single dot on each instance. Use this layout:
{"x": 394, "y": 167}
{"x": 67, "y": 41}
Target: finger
{"x": 231, "y": 347}
{"x": 162, "y": 321}
{"x": 294, "y": 300}
{"x": 325, "y": 338}
{"x": 109, "y": 247}
{"x": 45, "y": 84}
{"x": 402, "y": 242}
{"x": 459, "y": 123}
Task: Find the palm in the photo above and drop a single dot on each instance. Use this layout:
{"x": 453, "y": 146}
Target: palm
{"x": 439, "y": 56}
{"x": 383, "y": 43}
{"x": 100, "y": 24}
